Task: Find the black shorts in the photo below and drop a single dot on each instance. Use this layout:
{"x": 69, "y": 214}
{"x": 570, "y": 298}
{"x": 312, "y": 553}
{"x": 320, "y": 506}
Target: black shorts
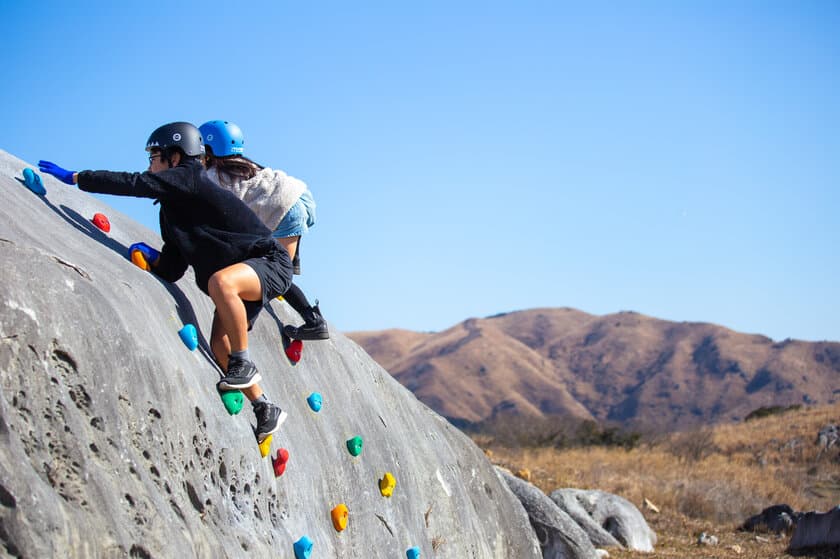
{"x": 275, "y": 273}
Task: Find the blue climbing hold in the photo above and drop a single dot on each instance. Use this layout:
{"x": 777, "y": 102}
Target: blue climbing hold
{"x": 413, "y": 552}
{"x": 189, "y": 336}
{"x": 315, "y": 401}
{"x": 303, "y": 548}
{"x": 32, "y": 180}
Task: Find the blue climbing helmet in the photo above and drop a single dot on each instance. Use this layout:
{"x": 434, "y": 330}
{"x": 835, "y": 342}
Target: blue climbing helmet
{"x": 224, "y": 138}
{"x": 177, "y": 134}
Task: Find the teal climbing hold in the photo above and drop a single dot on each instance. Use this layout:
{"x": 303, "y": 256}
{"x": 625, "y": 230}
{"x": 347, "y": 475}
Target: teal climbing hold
{"x": 354, "y": 445}
{"x": 189, "y": 336}
{"x": 32, "y": 181}
{"x": 303, "y": 548}
{"x": 315, "y": 401}
{"x": 412, "y": 552}
{"x": 233, "y": 400}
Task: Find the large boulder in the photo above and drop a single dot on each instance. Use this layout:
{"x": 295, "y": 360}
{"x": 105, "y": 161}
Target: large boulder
{"x": 559, "y": 535}
{"x": 817, "y": 530}
{"x": 608, "y": 519}
{"x": 114, "y": 442}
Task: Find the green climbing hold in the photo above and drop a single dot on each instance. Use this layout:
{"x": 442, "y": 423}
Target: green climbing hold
{"x": 233, "y": 400}
{"x": 354, "y": 445}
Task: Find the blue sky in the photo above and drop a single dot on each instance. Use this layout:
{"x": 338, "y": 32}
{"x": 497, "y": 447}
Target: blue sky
{"x": 678, "y": 159}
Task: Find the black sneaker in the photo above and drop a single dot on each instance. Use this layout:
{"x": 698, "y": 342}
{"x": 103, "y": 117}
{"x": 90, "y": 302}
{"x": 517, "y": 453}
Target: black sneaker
{"x": 269, "y": 418}
{"x": 314, "y": 327}
{"x": 241, "y": 374}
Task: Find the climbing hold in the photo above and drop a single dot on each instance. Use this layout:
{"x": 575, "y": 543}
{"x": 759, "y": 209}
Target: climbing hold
{"x": 412, "y": 552}
{"x": 279, "y": 463}
{"x": 294, "y": 350}
{"x": 32, "y": 181}
{"x": 315, "y": 401}
{"x": 339, "y": 517}
{"x": 354, "y": 445}
{"x": 101, "y": 221}
{"x": 387, "y": 484}
{"x": 189, "y": 336}
{"x": 233, "y": 400}
{"x": 280, "y": 298}
{"x": 303, "y": 548}
{"x": 139, "y": 260}
{"x": 265, "y": 446}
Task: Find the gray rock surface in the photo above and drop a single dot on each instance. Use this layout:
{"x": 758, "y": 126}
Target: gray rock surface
{"x": 604, "y": 515}
{"x": 559, "y": 535}
{"x": 816, "y": 530}
{"x": 115, "y": 442}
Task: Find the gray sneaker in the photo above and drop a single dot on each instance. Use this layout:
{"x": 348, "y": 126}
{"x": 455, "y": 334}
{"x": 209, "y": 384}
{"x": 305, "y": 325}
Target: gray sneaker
{"x": 269, "y": 419}
{"x": 241, "y": 374}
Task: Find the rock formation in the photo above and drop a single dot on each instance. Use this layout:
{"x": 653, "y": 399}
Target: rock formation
{"x": 115, "y": 442}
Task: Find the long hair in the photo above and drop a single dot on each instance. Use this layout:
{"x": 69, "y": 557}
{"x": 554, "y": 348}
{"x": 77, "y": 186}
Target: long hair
{"x": 232, "y": 168}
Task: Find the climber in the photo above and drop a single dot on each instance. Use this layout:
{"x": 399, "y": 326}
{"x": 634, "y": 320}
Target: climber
{"x": 283, "y": 203}
{"x": 235, "y": 259}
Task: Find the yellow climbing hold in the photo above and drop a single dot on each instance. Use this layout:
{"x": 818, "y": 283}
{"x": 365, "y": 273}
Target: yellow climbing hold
{"x": 265, "y": 446}
{"x": 280, "y": 298}
{"x": 387, "y": 484}
{"x": 339, "y": 517}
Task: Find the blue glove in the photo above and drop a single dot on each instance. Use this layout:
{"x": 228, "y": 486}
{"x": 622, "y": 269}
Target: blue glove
{"x": 51, "y": 168}
{"x": 149, "y": 255}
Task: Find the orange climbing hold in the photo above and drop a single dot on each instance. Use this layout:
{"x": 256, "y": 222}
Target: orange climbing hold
{"x": 139, "y": 260}
{"x": 339, "y": 517}
{"x": 279, "y": 462}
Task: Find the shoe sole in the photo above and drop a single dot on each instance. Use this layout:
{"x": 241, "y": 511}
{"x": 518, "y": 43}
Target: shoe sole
{"x": 225, "y": 386}
{"x": 280, "y": 419}
{"x": 305, "y": 337}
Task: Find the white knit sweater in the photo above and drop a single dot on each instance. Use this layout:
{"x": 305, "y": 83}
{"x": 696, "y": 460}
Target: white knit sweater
{"x": 270, "y": 193}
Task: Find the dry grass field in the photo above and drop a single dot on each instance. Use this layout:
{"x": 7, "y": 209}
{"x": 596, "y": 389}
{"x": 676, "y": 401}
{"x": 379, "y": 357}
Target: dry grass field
{"x": 702, "y": 481}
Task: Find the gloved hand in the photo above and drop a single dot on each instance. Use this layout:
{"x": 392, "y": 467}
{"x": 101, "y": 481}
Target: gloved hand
{"x": 142, "y": 255}
{"x": 63, "y": 175}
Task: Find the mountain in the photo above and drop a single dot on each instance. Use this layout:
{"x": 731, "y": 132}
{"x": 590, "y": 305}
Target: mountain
{"x": 115, "y": 442}
{"x": 626, "y": 368}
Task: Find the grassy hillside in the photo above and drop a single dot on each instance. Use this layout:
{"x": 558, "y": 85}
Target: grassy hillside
{"x": 705, "y": 480}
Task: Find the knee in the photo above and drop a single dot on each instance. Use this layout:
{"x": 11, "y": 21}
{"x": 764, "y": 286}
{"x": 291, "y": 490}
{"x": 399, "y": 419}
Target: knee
{"x": 219, "y": 284}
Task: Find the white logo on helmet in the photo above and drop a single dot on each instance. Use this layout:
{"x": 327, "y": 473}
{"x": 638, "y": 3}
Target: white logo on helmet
{"x": 209, "y": 137}
{"x": 176, "y": 137}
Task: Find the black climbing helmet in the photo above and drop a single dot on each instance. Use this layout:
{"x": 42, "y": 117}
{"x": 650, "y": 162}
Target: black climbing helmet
{"x": 177, "y": 134}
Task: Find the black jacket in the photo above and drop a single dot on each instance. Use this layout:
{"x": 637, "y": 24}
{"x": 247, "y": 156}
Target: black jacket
{"x": 202, "y": 224}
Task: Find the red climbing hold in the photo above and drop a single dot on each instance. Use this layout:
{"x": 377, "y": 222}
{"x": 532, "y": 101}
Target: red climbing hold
{"x": 294, "y": 350}
{"x": 279, "y": 462}
{"x": 102, "y": 222}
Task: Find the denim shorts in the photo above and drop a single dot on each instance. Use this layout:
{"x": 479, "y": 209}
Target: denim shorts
{"x": 299, "y": 218}
{"x": 275, "y": 273}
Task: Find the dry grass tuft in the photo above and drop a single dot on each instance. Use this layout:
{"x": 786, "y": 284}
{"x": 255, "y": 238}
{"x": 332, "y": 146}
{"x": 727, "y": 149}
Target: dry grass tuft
{"x": 709, "y": 480}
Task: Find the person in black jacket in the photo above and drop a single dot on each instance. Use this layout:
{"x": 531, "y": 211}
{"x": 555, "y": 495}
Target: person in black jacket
{"x": 235, "y": 260}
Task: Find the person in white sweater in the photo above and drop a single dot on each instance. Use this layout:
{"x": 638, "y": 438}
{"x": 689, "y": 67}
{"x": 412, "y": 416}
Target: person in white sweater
{"x": 283, "y": 203}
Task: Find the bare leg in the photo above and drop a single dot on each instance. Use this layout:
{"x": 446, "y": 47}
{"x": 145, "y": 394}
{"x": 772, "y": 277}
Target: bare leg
{"x": 228, "y": 288}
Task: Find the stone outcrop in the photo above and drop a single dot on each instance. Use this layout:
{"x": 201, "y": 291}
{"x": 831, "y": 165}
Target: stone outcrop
{"x": 608, "y": 519}
{"x": 114, "y": 442}
{"x": 559, "y": 535}
{"x": 817, "y": 530}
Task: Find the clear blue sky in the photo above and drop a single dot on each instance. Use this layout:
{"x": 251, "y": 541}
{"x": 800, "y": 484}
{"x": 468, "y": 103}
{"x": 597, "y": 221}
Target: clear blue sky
{"x": 679, "y": 159}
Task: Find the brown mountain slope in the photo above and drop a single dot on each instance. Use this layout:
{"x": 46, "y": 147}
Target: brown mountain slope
{"x": 623, "y": 367}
